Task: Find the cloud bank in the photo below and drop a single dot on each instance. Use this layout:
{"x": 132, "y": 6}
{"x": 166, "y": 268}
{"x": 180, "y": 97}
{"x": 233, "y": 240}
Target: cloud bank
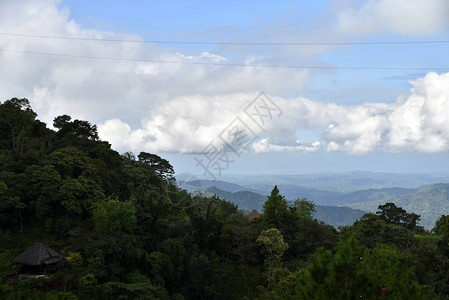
{"x": 96, "y": 89}
{"x": 155, "y": 107}
{"x": 418, "y": 122}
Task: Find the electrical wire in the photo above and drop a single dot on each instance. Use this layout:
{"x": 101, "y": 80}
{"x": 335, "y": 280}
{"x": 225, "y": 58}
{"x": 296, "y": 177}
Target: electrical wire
{"x": 216, "y": 63}
{"x": 225, "y": 43}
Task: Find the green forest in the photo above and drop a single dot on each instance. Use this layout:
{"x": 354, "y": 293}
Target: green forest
{"x": 126, "y": 231}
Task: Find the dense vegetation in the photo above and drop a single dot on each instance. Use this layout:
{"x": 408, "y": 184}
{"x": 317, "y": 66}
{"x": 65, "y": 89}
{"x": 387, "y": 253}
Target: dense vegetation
{"x": 128, "y": 232}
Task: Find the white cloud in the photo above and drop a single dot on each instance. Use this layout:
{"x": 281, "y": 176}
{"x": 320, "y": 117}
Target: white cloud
{"x": 183, "y": 107}
{"x": 417, "y": 17}
{"x": 359, "y": 129}
{"x": 264, "y": 146}
{"x": 420, "y": 123}
{"x": 182, "y": 124}
{"x": 119, "y": 134}
{"x": 98, "y": 90}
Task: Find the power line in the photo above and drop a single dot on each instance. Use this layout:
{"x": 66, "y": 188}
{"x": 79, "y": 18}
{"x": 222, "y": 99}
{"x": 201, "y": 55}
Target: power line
{"x": 214, "y": 63}
{"x": 226, "y": 43}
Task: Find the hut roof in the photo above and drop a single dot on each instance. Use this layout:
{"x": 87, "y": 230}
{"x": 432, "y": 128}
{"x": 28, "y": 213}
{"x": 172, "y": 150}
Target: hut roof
{"x": 254, "y": 214}
{"x": 37, "y": 255}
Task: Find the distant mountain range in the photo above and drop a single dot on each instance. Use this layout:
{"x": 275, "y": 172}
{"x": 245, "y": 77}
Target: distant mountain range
{"x": 352, "y": 195}
{"x": 340, "y": 182}
{"x": 247, "y": 200}
{"x": 428, "y": 201}
{"x": 289, "y": 191}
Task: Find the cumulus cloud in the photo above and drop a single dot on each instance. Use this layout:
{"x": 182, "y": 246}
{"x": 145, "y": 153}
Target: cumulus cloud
{"x": 100, "y": 89}
{"x": 183, "y": 124}
{"x": 418, "y": 17}
{"x": 416, "y": 123}
{"x": 420, "y": 122}
{"x": 184, "y": 107}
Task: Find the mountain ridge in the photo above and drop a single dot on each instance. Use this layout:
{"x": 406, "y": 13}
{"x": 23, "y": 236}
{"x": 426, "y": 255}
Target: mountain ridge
{"x": 430, "y": 201}
{"x": 247, "y": 200}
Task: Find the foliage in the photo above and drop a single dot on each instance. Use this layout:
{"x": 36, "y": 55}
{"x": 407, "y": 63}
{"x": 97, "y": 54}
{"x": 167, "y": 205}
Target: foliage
{"x": 353, "y": 271}
{"x": 75, "y": 129}
{"x": 74, "y": 259}
{"x": 114, "y": 215}
{"x": 392, "y": 214}
{"x": 7, "y": 267}
{"x": 141, "y": 290}
{"x": 161, "y": 167}
{"x": 441, "y": 226}
{"x": 371, "y": 230}
{"x": 87, "y": 286}
{"x": 273, "y": 247}
{"x": 304, "y": 208}
{"x": 275, "y": 209}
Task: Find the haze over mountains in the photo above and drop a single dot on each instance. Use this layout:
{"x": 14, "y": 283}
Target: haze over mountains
{"x": 340, "y": 198}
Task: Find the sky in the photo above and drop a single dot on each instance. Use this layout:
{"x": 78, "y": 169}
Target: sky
{"x": 241, "y": 87}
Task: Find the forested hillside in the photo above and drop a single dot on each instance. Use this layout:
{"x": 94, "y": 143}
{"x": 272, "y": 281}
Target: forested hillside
{"x": 430, "y": 201}
{"x": 124, "y": 230}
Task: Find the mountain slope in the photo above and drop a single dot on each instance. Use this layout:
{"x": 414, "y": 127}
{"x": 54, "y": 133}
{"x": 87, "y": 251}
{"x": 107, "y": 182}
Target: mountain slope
{"x": 193, "y": 185}
{"x": 293, "y": 192}
{"x": 384, "y": 195}
{"x": 247, "y": 200}
{"x": 341, "y": 182}
{"x": 429, "y": 201}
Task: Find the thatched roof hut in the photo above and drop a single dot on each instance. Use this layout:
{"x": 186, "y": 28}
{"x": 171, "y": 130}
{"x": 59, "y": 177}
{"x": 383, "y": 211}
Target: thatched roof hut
{"x": 254, "y": 214}
{"x": 38, "y": 255}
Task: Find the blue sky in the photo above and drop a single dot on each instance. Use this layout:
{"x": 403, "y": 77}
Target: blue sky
{"x": 334, "y": 119}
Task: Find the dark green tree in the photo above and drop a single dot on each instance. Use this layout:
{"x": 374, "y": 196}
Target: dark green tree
{"x": 10, "y": 208}
{"x": 239, "y": 245}
{"x": 80, "y": 184}
{"x": 114, "y": 215}
{"x": 371, "y": 230}
{"x": 77, "y": 128}
{"x": 353, "y": 271}
{"x": 21, "y": 132}
{"x": 392, "y": 214}
{"x": 303, "y": 208}
{"x": 161, "y": 167}
{"x": 440, "y": 225}
{"x": 275, "y": 209}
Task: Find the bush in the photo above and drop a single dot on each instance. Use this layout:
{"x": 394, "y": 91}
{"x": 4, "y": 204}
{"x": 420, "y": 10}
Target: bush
{"x": 74, "y": 259}
{"x": 7, "y": 267}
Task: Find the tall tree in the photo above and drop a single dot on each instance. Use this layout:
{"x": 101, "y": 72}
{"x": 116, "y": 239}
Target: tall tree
{"x": 10, "y": 208}
{"x": 273, "y": 247}
{"x": 275, "y": 209}
{"x": 392, "y": 214}
{"x": 77, "y": 128}
{"x": 440, "y": 224}
{"x": 161, "y": 167}
{"x": 303, "y": 208}
{"x": 18, "y": 119}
